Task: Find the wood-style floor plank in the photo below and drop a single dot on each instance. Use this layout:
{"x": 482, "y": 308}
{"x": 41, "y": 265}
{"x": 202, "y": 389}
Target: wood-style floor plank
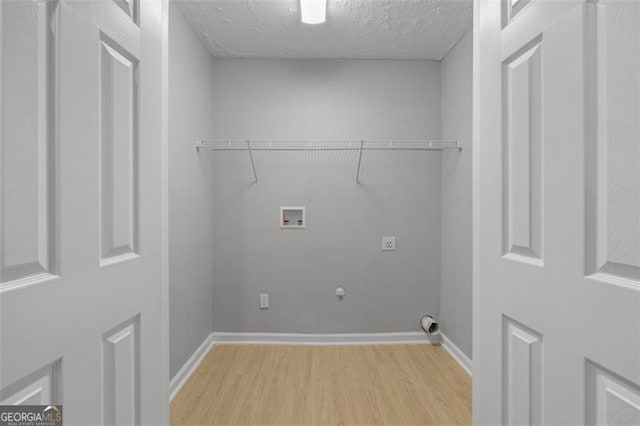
{"x": 325, "y": 385}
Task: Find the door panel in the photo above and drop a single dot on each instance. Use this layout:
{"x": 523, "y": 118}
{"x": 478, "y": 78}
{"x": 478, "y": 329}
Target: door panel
{"x": 41, "y": 387}
{"x": 610, "y": 398}
{"x": 120, "y": 374}
{"x": 522, "y": 163}
{"x": 119, "y": 148}
{"x": 557, "y": 210}
{"x": 26, "y": 216}
{"x": 614, "y": 162}
{"x": 82, "y": 297}
{"x": 130, "y": 7}
{"x": 522, "y": 374}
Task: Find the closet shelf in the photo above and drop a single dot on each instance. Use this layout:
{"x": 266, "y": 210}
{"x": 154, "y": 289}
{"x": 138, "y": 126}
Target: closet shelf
{"x": 324, "y": 145}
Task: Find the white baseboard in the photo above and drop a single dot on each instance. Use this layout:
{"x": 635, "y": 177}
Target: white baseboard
{"x": 181, "y": 377}
{"x": 190, "y": 366}
{"x": 457, "y": 354}
{"x": 411, "y": 337}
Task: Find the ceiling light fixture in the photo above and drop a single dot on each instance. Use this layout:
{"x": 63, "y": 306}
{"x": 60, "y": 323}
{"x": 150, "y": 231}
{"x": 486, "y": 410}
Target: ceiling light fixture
{"x": 313, "y": 11}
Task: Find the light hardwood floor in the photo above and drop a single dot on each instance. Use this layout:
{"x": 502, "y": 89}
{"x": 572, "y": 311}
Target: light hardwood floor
{"x": 328, "y": 385}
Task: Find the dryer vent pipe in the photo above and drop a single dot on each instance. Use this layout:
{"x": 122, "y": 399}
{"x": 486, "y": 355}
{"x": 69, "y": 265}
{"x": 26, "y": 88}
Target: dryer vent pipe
{"x": 429, "y": 324}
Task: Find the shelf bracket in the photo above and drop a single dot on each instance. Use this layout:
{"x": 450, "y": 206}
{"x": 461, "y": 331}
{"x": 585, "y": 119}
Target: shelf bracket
{"x": 253, "y": 165}
{"x": 359, "y": 162}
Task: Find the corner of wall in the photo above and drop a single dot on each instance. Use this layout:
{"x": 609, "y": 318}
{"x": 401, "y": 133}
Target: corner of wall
{"x": 456, "y": 293}
{"x": 190, "y": 210}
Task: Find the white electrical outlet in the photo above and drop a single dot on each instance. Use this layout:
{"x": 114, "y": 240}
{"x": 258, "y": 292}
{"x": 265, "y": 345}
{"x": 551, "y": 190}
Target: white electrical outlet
{"x": 264, "y": 301}
{"x": 388, "y": 243}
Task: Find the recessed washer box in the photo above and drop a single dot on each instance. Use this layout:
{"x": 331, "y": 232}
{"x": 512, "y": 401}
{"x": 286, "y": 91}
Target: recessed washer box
{"x": 292, "y": 218}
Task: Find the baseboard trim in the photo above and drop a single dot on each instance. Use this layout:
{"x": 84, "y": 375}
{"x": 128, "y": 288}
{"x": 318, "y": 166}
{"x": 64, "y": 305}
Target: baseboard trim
{"x": 412, "y": 337}
{"x": 190, "y": 366}
{"x": 223, "y": 338}
{"x": 457, "y": 354}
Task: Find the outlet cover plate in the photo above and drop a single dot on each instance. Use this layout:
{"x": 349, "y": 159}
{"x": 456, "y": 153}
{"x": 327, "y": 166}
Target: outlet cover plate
{"x": 388, "y": 243}
{"x": 264, "y": 301}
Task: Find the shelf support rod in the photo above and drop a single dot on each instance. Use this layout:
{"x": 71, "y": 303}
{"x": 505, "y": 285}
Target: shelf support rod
{"x": 359, "y": 162}
{"x": 253, "y": 166}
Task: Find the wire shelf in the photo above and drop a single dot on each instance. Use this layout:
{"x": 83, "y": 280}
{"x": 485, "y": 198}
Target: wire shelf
{"x": 360, "y": 146}
{"x": 326, "y": 145}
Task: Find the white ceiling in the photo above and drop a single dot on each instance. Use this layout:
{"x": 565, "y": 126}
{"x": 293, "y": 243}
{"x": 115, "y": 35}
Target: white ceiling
{"x": 355, "y": 29}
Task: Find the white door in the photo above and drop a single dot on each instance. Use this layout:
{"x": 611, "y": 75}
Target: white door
{"x": 82, "y": 318}
{"x": 557, "y": 219}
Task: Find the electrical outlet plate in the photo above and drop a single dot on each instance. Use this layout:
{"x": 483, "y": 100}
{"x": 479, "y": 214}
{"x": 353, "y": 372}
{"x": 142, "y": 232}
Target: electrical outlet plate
{"x": 264, "y": 301}
{"x": 388, "y": 243}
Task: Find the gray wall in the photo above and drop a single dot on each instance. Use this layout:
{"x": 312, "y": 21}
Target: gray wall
{"x": 456, "y": 270}
{"x": 399, "y": 195}
{"x": 190, "y": 244}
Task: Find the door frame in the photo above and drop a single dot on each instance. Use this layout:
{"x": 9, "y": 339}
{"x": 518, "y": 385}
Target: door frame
{"x": 164, "y": 198}
{"x": 475, "y": 200}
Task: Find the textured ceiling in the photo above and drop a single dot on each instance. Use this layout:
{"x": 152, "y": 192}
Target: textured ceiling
{"x": 366, "y": 29}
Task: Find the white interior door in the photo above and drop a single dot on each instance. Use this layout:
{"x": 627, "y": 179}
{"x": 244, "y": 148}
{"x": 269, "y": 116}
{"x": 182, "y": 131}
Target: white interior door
{"x": 557, "y": 219}
{"x": 81, "y": 290}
